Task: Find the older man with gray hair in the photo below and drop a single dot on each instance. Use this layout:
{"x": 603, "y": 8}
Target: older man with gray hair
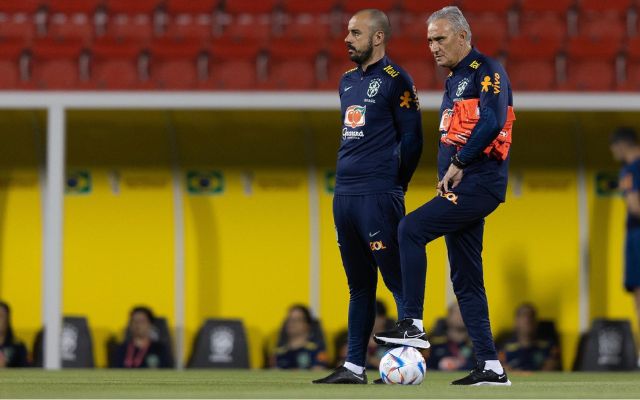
{"x": 476, "y": 120}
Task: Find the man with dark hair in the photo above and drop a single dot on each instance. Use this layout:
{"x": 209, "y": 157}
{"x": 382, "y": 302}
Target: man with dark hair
{"x": 379, "y": 151}
{"x": 140, "y": 349}
{"x": 475, "y": 136}
{"x": 625, "y": 149}
{"x": 13, "y": 353}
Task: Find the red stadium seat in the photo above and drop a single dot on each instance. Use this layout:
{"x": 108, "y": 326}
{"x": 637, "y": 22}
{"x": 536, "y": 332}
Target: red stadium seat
{"x": 9, "y": 74}
{"x": 610, "y": 25}
{"x": 174, "y": 64}
{"x": 543, "y": 6}
{"x": 56, "y": 64}
{"x": 73, "y": 6}
{"x": 422, "y": 71}
{"x": 309, "y": 27}
{"x": 479, "y": 7}
{"x": 487, "y": 28}
{"x": 592, "y": 48}
{"x": 335, "y": 70}
{"x": 76, "y": 26}
{"x": 233, "y": 65}
{"x": 352, "y": 6}
{"x": 250, "y": 6}
{"x": 9, "y": 60}
{"x": 592, "y": 75}
{"x": 547, "y": 25}
{"x": 423, "y": 7}
{"x": 131, "y": 19}
{"x": 604, "y": 18}
{"x": 291, "y": 75}
{"x": 632, "y": 81}
{"x": 249, "y": 26}
{"x": 175, "y": 7}
{"x": 22, "y": 6}
{"x": 138, "y": 27}
{"x": 526, "y": 48}
{"x": 289, "y": 49}
{"x": 230, "y": 50}
{"x": 132, "y": 7}
{"x": 532, "y": 75}
{"x": 309, "y": 7}
{"x": 411, "y": 26}
{"x": 232, "y": 75}
{"x": 633, "y": 49}
{"x": 409, "y": 49}
{"x": 190, "y": 26}
{"x": 191, "y": 19}
{"x": 292, "y": 65}
{"x": 18, "y": 25}
{"x": 489, "y": 46}
{"x": 115, "y": 64}
{"x": 621, "y": 6}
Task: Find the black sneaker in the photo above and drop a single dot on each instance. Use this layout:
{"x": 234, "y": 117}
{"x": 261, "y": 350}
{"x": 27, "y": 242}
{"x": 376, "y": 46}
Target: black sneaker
{"x": 343, "y": 375}
{"x": 405, "y": 333}
{"x": 480, "y": 376}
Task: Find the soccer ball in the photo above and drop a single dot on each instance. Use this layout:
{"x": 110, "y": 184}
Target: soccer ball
{"x": 403, "y": 365}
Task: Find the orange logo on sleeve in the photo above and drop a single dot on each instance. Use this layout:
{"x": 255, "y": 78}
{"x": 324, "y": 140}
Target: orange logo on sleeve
{"x": 406, "y": 99}
{"x": 486, "y": 83}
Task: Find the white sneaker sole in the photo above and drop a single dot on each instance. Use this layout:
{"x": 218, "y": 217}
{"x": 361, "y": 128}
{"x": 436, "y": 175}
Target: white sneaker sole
{"x": 418, "y": 343}
{"x": 507, "y": 383}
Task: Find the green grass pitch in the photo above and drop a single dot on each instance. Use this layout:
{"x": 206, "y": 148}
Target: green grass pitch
{"x": 287, "y": 384}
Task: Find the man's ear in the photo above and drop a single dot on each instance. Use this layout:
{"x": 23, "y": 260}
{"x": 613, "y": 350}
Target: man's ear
{"x": 378, "y": 38}
{"x": 463, "y": 35}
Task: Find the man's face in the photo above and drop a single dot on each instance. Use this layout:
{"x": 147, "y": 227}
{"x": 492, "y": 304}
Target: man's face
{"x": 618, "y": 151}
{"x": 446, "y": 45}
{"x": 140, "y": 325}
{"x": 359, "y": 40}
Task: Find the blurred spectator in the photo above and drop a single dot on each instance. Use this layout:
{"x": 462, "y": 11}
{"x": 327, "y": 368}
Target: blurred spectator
{"x": 299, "y": 351}
{"x": 139, "y": 349}
{"x": 625, "y": 149}
{"x": 12, "y": 352}
{"x": 452, "y": 351}
{"x": 525, "y": 350}
{"x": 381, "y": 323}
{"x": 341, "y": 344}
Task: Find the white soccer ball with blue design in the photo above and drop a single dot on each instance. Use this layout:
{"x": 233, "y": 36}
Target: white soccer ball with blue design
{"x": 403, "y": 366}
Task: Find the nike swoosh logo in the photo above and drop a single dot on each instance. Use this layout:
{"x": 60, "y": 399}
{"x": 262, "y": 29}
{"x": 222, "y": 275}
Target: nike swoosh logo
{"x": 357, "y": 377}
{"x": 406, "y": 335}
{"x": 373, "y": 234}
{"x": 502, "y": 376}
{"x": 347, "y": 88}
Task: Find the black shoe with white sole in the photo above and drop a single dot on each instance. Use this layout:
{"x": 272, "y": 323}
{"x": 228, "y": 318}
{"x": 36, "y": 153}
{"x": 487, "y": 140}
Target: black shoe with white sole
{"x": 344, "y": 375}
{"x": 480, "y": 376}
{"x": 405, "y": 333}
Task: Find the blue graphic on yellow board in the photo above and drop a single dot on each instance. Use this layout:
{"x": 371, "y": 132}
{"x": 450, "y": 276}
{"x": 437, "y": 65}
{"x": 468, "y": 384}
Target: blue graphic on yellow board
{"x": 607, "y": 183}
{"x": 205, "y": 182}
{"x": 330, "y": 181}
{"x": 78, "y": 182}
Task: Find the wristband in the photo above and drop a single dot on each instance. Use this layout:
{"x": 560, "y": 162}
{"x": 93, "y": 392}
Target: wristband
{"x": 456, "y": 161}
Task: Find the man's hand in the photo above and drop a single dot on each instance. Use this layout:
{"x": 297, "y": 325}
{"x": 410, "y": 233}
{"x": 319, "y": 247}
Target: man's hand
{"x": 452, "y": 177}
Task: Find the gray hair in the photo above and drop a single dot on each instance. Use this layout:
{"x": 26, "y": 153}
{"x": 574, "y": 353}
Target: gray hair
{"x": 455, "y": 17}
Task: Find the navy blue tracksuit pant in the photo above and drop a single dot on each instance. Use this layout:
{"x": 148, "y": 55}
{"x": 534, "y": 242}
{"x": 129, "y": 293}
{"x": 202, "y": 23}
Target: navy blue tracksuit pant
{"x": 367, "y": 228}
{"x": 460, "y": 218}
